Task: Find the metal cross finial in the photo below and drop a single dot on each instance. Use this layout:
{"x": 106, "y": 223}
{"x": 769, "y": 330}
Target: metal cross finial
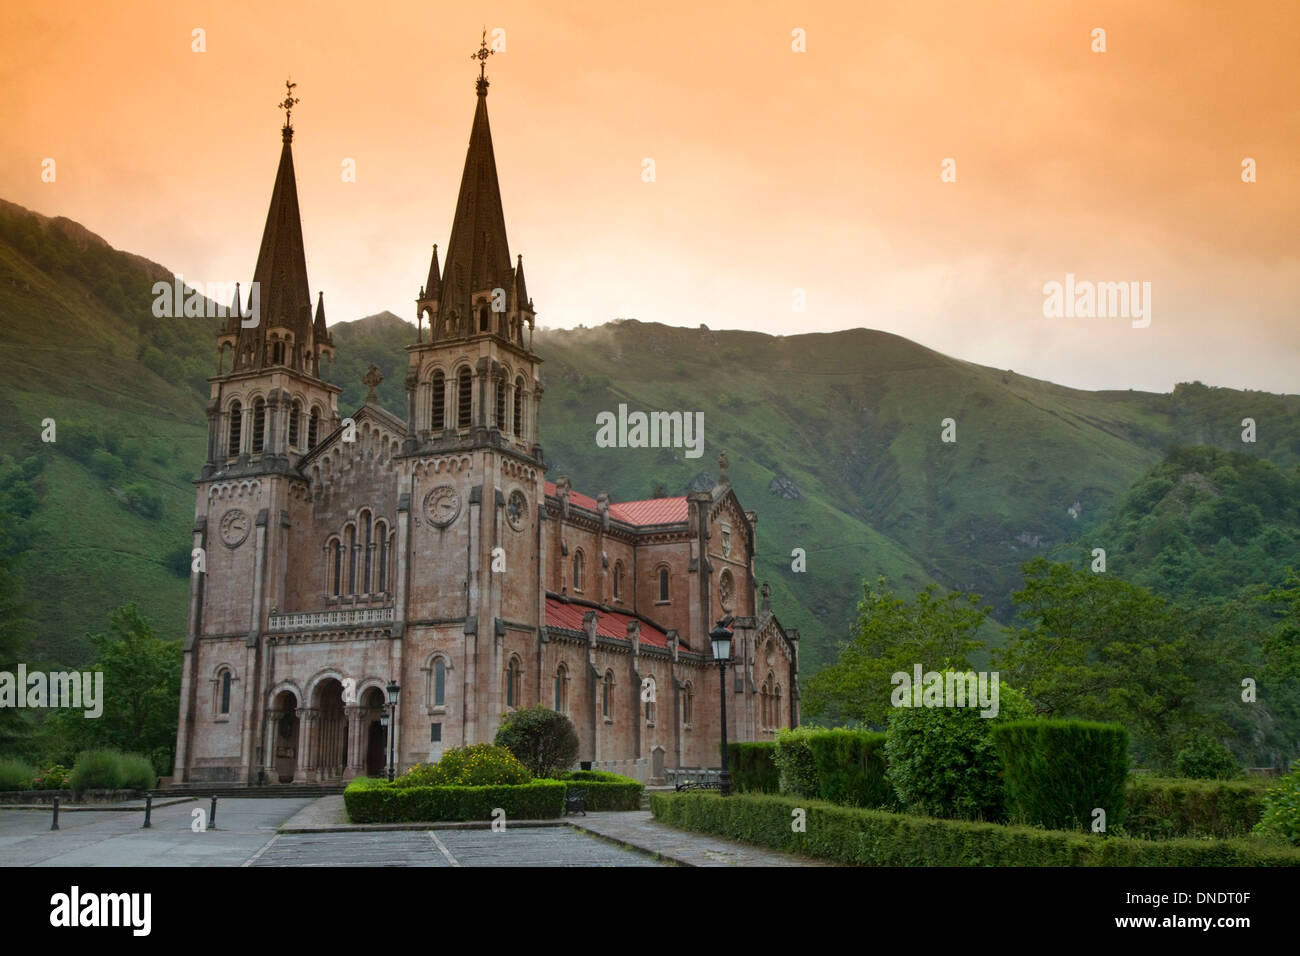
{"x": 290, "y": 101}
{"x": 481, "y": 55}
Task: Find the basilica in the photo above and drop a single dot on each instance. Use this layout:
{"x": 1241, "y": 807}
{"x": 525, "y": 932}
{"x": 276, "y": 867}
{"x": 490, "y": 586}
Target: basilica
{"x": 352, "y": 560}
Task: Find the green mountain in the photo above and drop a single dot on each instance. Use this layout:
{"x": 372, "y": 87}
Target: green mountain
{"x": 834, "y": 439}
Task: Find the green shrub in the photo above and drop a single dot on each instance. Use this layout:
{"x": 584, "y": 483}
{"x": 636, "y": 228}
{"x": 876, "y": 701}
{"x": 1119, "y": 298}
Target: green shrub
{"x": 1281, "y": 813}
{"x": 753, "y": 767}
{"x": 97, "y": 770}
{"x": 137, "y": 772}
{"x": 479, "y": 765}
{"x": 16, "y": 775}
{"x": 851, "y": 768}
{"x": 143, "y": 500}
{"x": 942, "y": 761}
{"x": 544, "y": 740}
{"x": 106, "y": 465}
{"x": 864, "y": 837}
{"x": 1160, "y": 808}
{"x": 795, "y": 763}
{"x": 1058, "y": 772}
{"x": 53, "y": 777}
{"x": 1204, "y": 758}
{"x": 377, "y": 801}
{"x": 605, "y": 791}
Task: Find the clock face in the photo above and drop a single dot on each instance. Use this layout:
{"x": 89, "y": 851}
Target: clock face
{"x": 233, "y": 528}
{"x": 517, "y": 510}
{"x": 441, "y": 506}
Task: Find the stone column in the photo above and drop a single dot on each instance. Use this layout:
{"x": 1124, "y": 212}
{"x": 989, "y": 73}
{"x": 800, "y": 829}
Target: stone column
{"x": 273, "y": 717}
{"x": 355, "y": 756}
{"x": 306, "y": 765}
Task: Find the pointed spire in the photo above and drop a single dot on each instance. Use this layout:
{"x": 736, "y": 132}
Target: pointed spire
{"x": 318, "y": 328}
{"x": 433, "y": 285}
{"x": 281, "y": 272}
{"x": 232, "y": 322}
{"x": 521, "y": 291}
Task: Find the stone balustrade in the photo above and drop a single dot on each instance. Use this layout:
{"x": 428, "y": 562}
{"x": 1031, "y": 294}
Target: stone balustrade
{"x": 349, "y": 617}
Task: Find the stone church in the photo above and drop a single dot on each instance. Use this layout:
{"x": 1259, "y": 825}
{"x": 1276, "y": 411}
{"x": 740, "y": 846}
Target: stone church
{"x": 433, "y": 552}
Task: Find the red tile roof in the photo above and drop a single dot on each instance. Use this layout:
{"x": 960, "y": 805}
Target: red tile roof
{"x": 648, "y": 512}
{"x": 608, "y": 623}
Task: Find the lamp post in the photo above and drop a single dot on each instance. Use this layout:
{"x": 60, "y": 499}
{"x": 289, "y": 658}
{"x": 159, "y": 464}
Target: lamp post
{"x": 393, "y": 691}
{"x": 721, "y": 638}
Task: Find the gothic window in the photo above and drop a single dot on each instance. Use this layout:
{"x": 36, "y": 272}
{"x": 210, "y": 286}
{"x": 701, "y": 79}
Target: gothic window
{"x": 663, "y": 585}
{"x": 236, "y": 428}
{"x": 381, "y": 530}
{"x": 514, "y": 674}
{"x": 336, "y": 557}
{"x": 501, "y": 404}
{"x": 618, "y": 580}
{"x": 606, "y": 694}
{"x": 352, "y": 559}
{"x": 776, "y": 706}
{"x": 519, "y": 406}
{"x": 277, "y": 352}
{"x": 295, "y": 413}
{"x": 259, "y": 425}
{"x": 226, "y": 680}
{"x": 438, "y": 418}
{"x": 562, "y": 690}
{"x": 313, "y": 428}
{"x": 577, "y": 570}
{"x": 439, "y": 682}
{"x": 688, "y": 703}
{"x": 368, "y": 557}
{"x": 650, "y": 702}
{"x": 483, "y": 320}
{"x": 464, "y": 398}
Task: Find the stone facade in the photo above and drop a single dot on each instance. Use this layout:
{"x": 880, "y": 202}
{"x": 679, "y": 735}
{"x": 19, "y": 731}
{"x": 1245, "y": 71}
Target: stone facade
{"x": 345, "y": 554}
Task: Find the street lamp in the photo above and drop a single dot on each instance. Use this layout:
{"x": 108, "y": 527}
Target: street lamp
{"x": 721, "y": 638}
{"x": 393, "y": 691}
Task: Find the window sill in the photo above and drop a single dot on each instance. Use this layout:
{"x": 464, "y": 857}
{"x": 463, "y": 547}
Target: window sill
{"x": 438, "y": 709}
{"x": 657, "y": 603}
{"x": 221, "y": 719}
{"x": 609, "y": 720}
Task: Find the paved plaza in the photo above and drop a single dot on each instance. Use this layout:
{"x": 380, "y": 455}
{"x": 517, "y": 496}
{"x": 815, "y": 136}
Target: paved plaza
{"x": 306, "y": 831}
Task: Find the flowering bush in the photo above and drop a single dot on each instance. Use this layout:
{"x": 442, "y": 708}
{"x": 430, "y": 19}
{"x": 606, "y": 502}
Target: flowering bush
{"x": 52, "y": 778}
{"x": 481, "y": 765}
{"x": 1281, "y": 817}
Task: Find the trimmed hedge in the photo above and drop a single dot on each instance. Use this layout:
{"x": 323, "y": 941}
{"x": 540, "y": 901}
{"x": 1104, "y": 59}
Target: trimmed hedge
{"x": 376, "y": 801}
{"x": 753, "y": 767}
{"x": 605, "y": 791}
{"x": 1159, "y": 808}
{"x": 16, "y": 775}
{"x": 839, "y": 765}
{"x": 111, "y": 770}
{"x": 879, "y": 838}
{"x": 1057, "y": 772}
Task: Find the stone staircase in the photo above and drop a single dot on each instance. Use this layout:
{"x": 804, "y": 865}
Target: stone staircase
{"x": 224, "y": 790}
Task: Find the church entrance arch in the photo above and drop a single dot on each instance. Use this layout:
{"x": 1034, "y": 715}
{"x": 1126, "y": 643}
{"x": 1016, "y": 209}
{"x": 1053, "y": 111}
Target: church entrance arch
{"x": 286, "y": 737}
{"x": 372, "y": 702}
{"x": 331, "y": 736}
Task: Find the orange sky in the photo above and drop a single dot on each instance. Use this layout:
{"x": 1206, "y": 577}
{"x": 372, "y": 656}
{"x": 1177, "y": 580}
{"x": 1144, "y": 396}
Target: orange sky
{"x": 775, "y": 170}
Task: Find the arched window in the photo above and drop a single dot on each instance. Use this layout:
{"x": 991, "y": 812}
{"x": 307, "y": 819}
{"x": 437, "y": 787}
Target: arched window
{"x": 562, "y": 690}
{"x": 369, "y": 553}
{"x": 777, "y": 719}
{"x": 688, "y": 703}
{"x": 464, "y": 398}
{"x": 501, "y": 404}
{"x": 295, "y": 413}
{"x": 236, "y": 428}
{"x": 650, "y": 707}
{"x": 577, "y": 570}
{"x": 352, "y": 559}
{"x": 259, "y": 425}
{"x": 313, "y": 428}
{"x": 663, "y": 584}
{"x": 514, "y": 671}
{"x": 439, "y": 682}
{"x": 277, "y": 352}
{"x": 618, "y": 580}
{"x": 483, "y": 319}
{"x": 766, "y": 702}
{"x": 607, "y": 694}
{"x": 519, "y": 406}
{"x": 381, "y": 530}
{"x": 438, "y": 415}
{"x": 336, "y": 557}
{"x": 226, "y": 680}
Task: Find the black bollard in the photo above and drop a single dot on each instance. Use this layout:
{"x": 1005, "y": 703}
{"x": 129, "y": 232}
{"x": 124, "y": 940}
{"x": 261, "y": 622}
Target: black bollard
{"x": 148, "y": 809}
{"x": 212, "y": 817}
{"x": 55, "y": 824}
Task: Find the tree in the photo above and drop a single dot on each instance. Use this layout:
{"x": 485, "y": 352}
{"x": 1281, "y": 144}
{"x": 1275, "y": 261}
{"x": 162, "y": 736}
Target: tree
{"x": 142, "y": 682}
{"x": 544, "y": 740}
{"x": 891, "y": 635}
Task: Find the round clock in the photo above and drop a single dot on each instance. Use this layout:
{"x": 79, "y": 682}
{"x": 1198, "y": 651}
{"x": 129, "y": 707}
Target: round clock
{"x": 441, "y": 506}
{"x": 234, "y": 528}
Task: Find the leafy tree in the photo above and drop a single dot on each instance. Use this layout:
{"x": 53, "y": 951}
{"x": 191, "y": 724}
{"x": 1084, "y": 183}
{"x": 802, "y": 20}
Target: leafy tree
{"x": 142, "y": 682}
{"x": 14, "y": 633}
{"x": 544, "y": 740}
{"x": 891, "y": 635}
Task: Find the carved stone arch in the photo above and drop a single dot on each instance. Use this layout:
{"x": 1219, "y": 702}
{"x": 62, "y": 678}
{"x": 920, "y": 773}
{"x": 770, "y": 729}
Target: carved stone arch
{"x": 285, "y": 687}
{"x": 320, "y": 676}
